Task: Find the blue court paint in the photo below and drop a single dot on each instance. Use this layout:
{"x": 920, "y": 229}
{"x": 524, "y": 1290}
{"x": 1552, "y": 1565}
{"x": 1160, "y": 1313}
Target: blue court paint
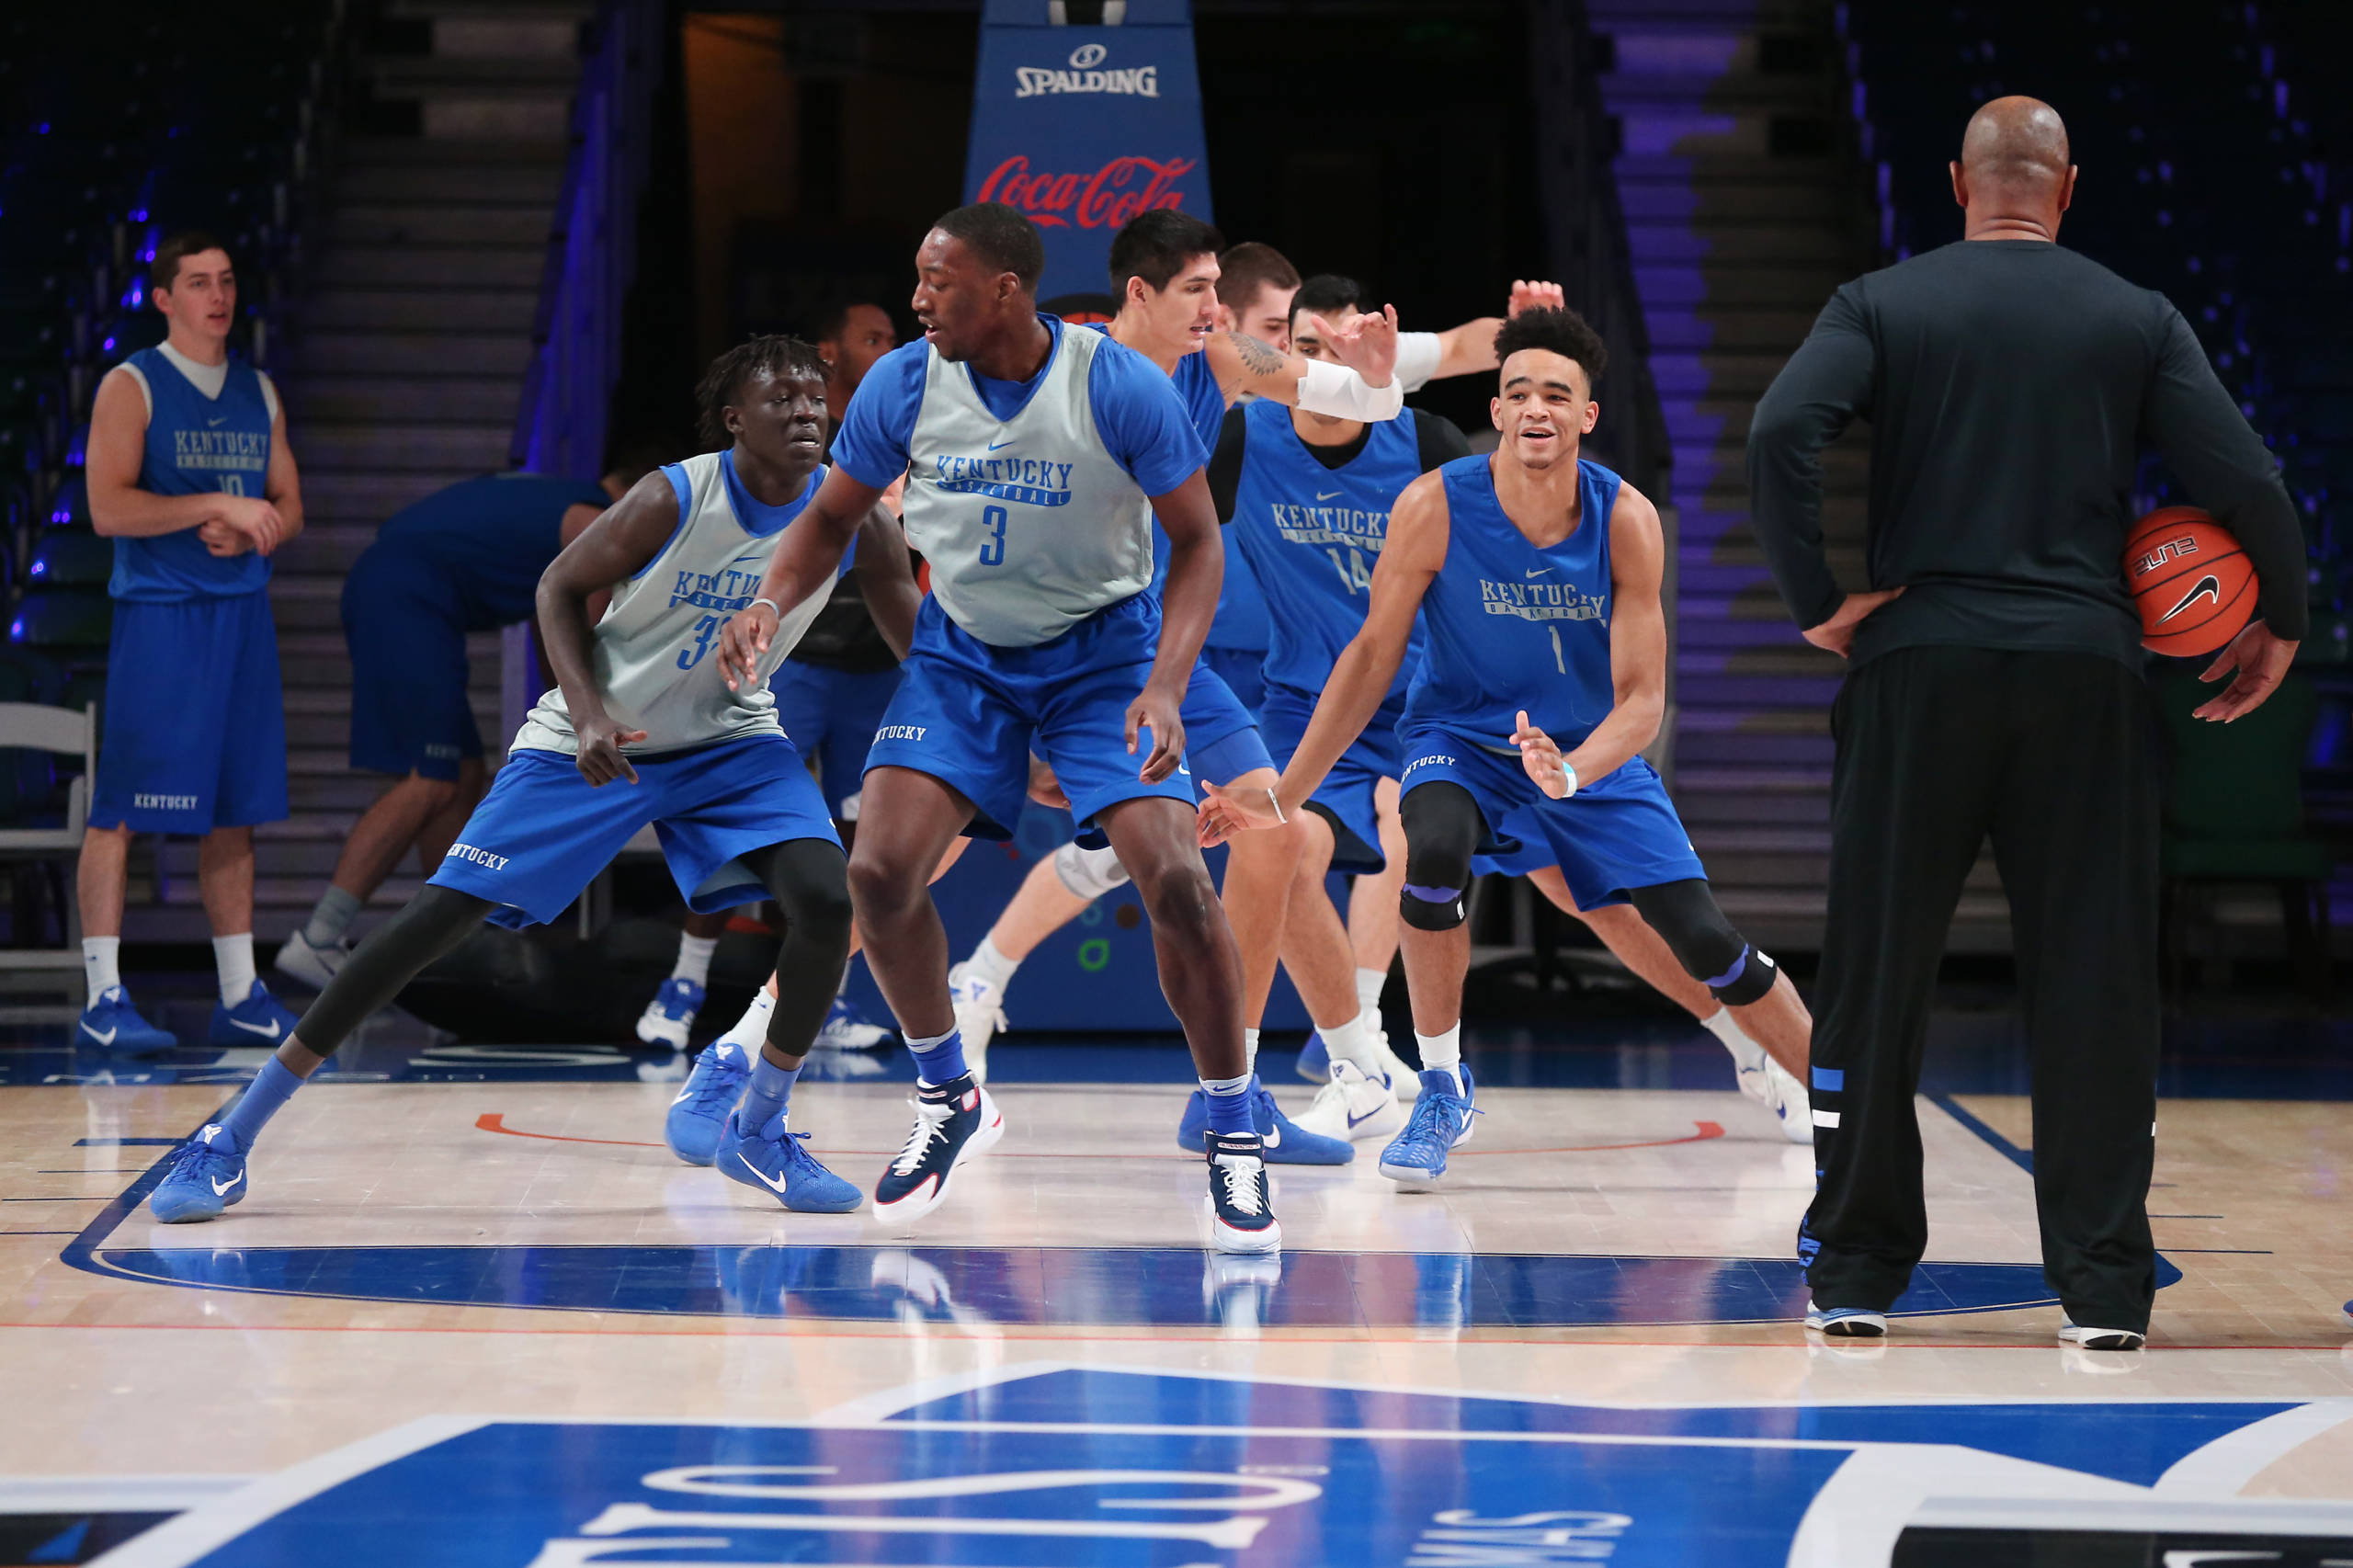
{"x": 1138, "y": 1287}
{"x": 1055, "y": 1466}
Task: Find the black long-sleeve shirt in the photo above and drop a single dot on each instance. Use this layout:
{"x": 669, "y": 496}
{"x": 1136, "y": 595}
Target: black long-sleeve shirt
{"x": 2009, "y": 385}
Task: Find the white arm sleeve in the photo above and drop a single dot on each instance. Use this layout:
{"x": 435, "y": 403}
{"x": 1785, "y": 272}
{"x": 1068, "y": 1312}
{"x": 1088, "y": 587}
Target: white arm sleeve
{"x": 1338, "y": 393}
{"x": 1418, "y": 356}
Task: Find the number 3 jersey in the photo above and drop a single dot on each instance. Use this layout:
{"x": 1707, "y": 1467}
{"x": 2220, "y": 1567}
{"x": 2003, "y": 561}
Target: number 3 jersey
{"x": 1508, "y": 626}
{"x": 656, "y": 650}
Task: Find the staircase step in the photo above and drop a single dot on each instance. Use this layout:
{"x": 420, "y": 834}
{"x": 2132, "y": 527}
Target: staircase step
{"x": 1729, "y": 201}
{"x": 489, "y": 184}
{"x": 383, "y": 445}
{"x": 463, "y": 267}
{"x": 349, "y": 351}
{"x": 1735, "y": 243}
{"x": 1717, "y": 374}
{"x": 468, "y": 399}
{"x": 1716, "y": 325}
{"x": 438, "y": 223}
{"x": 1632, "y": 92}
{"x": 472, "y": 76}
{"x": 409, "y": 307}
{"x": 369, "y": 497}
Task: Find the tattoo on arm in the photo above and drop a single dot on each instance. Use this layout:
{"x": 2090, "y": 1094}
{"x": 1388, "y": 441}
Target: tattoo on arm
{"x": 1257, "y": 358}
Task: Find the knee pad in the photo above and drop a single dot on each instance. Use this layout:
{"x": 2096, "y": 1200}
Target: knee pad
{"x": 1089, "y": 873}
{"x": 1747, "y": 980}
{"x": 1687, "y": 918}
{"x": 1442, "y": 830}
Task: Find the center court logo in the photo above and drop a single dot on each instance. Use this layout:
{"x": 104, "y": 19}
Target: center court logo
{"x": 483, "y": 857}
{"x": 1036, "y": 80}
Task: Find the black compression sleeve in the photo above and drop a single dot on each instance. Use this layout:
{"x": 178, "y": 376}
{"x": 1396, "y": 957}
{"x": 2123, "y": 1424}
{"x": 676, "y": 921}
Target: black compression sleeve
{"x": 1225, "y": 464}
{"x": 808, "y": 879}
{"x": 430, "y": 927}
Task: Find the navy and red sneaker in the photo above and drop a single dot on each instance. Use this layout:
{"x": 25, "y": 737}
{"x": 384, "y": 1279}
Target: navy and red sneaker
{"x": 954, "y": 1122}
{"x": 1242, "y": 1218}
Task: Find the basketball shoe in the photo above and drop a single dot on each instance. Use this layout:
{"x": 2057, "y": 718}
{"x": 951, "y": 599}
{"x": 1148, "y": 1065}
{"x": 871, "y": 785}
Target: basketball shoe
{"x": 980, "y": 1013}
{"x": 671, "y": 1015}
{"x": 777, "y": 1161}
{"x": 955, "y": 1121}
{"x": 1242, "y": 1217}
{"x": 845, "y": 1030}
{"x": 1416, "y": 1158}
{"x": 259, "y": 1020}
{"x": 1846, "y": 1323}
{"x": 1352, "y": 1105}
{"x": 1287, "y": 1142}
{"x": 207, "y": 1175}
{"x": 696, "y": 1124}
{"x": 1791, "y": 1104}
{"x": 300, "y": 959}
{"x": 112, "y": 1024}
{"x": 2073, "y": 1333}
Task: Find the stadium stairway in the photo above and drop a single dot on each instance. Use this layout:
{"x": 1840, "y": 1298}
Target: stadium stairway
{"x": 1744, "y": 210}
{"x": 406, "y": 350}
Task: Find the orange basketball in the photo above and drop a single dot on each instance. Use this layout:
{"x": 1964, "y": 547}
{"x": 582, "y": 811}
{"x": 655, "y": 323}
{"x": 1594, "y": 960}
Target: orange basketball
{"x": 2194, "y": 587}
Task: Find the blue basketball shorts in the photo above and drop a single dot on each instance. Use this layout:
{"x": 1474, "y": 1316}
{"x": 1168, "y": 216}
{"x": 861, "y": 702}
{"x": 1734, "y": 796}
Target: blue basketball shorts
{"x": 407, "y": 637}
{"x": 832, "y": 716}
{"x": 1344, "y": 799}
{"x": 1221, "y": 739}
{"x": 1618, "y": 832}
{"x": 969, "y": 714}
{"x": 194, "y": 732}
{"x": 544, "y": 832}
{"x": 1244, "y": 670}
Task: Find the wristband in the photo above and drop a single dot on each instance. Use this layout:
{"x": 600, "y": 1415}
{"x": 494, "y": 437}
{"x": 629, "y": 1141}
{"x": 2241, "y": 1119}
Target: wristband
{"x": 1340, "y": 392}
{"x": 771, "y": 603}
{"x": 1276, "y": 802}
{"x": 1571, "y": 775}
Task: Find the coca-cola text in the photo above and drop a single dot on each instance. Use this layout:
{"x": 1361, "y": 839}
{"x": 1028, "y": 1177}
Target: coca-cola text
{"x": 1106, "y": 198}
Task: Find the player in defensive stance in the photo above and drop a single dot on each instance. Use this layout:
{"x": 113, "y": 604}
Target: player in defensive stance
{"x": 1535, "y": 575}
{"x": 1035, "y": 457}
{"x": 644, "y": 727}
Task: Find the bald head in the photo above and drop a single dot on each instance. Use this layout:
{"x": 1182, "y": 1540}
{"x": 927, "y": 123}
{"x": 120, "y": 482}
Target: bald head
{"x": 2013, "y": 176}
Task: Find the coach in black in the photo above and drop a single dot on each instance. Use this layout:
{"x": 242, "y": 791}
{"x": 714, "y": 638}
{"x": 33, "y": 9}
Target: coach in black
{"x": 1995, "y": 685}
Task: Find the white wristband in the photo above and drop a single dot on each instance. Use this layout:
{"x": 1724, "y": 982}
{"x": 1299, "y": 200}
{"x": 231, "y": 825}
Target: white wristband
{"x": 771, "y": 603}
{"x": 1338, "y": 393}
{"x": 1276, "y": 802}
{"x": 1571, "y": 775}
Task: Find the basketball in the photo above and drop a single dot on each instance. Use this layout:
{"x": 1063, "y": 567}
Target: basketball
{"x": 2194, "y": 587}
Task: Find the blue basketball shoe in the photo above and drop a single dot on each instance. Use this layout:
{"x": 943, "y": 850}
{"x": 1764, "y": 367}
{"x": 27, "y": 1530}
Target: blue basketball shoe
{"x": 207, "y": 1175}
{"x": 1287, "y": 1142}
{"x": 1315, "y": 1063}
{"x": 697, "y": 1119}
{"x": 783, "y": 1167}
{"x": 670, "y": 1016}
{"x": 113, "y": 1024}
{"x": 1416, "y": 1158}
{"x": 259, "y": 1020}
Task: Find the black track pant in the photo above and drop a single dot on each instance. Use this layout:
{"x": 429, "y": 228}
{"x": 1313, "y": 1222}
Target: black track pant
{"x": 807, "y": 877}
{"x": 2052, "y": 754}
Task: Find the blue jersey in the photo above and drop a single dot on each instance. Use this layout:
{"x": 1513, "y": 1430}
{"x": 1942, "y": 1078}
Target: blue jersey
{"x": 196, "y": 444}
{"x": 1311, "y": 535}
{"x": 1512, "y": 627}
{"x": 485, "y": 541}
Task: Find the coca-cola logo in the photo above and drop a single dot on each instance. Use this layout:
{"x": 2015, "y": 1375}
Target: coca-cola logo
{"x": 1106, "y": 198}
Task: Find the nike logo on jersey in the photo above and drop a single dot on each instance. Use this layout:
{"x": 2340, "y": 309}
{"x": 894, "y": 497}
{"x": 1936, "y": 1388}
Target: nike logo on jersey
{"x": 1327, "y": 495}
{"x": 221, "y": 1186}
{"x": 999, "y": 446}
{"x": 2208, "y": 588}
{"x": 1539, "y": 572}
{"x": 105, "y": 1038}
{"x": 776, "y": 1185}
{"x": 217, "y": 423}
{"x": 267, "y": 1031}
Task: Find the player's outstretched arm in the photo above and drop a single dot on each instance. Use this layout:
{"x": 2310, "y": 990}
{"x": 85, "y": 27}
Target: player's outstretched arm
{"x": 886, "y": 578}
{"x": 808, "y": 555}
{"x": 1187, "y": 604}
{"x": 614, "y": 547}
{"x": 119, "y": 508}
{"x": 1360, "y": 678}
{"x": 1362, "y": 386}
{"x": 1636, "y": 644}
{"x": 1469, "y": 348}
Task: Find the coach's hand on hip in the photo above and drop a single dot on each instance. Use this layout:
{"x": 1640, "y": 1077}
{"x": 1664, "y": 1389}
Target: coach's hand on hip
{"x": 601, "y": 761}
{"x": 1838, "y": 633}
{"x": 2261, "y": 659}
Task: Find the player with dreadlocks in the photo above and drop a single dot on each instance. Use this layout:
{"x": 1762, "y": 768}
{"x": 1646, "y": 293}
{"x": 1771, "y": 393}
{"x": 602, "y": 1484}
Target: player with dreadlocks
{"x": 642, "y": 729}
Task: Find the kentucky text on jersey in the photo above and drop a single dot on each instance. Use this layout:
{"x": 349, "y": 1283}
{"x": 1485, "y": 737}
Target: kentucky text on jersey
{"x": 731, "y": 589}
{"x": 246, "y": 451}
{"x": 1539, "y": 601}
{"x": 1330, "y": 525}
{"x": 1028, "y": 480}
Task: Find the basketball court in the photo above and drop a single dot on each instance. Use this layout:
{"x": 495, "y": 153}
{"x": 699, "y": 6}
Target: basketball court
{"x": 473, "y": 1312}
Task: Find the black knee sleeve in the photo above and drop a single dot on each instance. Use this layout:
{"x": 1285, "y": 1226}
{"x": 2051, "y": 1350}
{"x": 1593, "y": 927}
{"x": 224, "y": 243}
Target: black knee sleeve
{"x": 808, "y": 879}
{"x": 1686, "y": 917}
{"x": 430, "y": 927}
{"x": 1442, "y": 831}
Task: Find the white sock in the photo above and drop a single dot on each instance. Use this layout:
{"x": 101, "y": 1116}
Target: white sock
{"x": 1443, "y": 1052}
{"x": 233, "y": 957}
{"x": 1250, "y": 1050}
{"x": 1352, "y": 1042}
{"x": 1368, "y": 985}
{"x": 101, "y": 964}
{"x": 694, "y": 959}
{"x": 751, "y": 1031}
{"x": 987, "y": 963}
{"x": 1745, "y": 1051}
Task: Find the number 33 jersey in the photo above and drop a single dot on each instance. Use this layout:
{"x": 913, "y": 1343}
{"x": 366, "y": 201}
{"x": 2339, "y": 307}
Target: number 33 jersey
{"x": 656, "y": 650}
